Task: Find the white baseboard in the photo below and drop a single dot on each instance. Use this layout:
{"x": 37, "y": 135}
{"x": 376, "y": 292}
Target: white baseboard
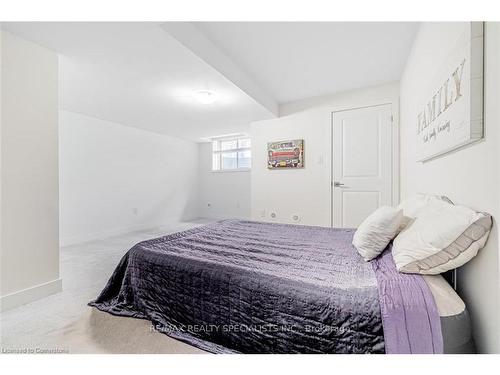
{"x": 28, "y": 295}
{"x": 74, "y": 240}
{"x": 225, "y": 217}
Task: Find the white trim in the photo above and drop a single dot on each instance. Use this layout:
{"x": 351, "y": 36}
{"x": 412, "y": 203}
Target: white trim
{"x": 78, "y": 239}
{"x": 225, "y": 217}
{"x": 231, "y": 170}
{"x": 396, "y": 155}
{"x": 228, "y": 136}
{"x": 28, "y": 295}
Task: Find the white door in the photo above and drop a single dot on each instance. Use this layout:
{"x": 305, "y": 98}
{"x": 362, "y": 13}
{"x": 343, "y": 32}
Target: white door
{"x": 362, "y": 163}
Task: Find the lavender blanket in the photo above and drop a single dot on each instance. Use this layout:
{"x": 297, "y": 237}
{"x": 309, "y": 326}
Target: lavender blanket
{"x": 252, "y": 287}
{"x": 409, "y": 314}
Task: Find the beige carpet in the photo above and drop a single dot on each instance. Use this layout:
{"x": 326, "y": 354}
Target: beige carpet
{"x": 99, "y": 332}
{"x": 64, "y": 323}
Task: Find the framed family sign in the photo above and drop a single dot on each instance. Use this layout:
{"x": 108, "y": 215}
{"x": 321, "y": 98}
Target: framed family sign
{"x": 450, "y": 112}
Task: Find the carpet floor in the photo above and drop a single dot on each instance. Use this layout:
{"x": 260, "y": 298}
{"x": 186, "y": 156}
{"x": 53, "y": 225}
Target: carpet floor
{"x": 63, "y": 323}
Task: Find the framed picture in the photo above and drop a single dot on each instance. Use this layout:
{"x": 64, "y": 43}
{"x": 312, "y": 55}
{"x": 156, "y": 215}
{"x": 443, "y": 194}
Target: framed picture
{"x": 450, "y": 110}
{"x": 285, "y": 154}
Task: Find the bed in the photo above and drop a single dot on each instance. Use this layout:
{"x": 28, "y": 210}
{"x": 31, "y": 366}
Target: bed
{"x": 239, "y": 286}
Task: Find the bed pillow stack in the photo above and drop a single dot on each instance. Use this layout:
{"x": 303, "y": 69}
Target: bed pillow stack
{"x": 376, "y": 231}
{"x": 431, "y": 235}
{"x": 439, "y": 237}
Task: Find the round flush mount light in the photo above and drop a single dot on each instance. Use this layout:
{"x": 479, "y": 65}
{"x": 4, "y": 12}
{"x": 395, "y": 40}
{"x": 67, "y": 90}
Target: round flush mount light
{"x": 205, "y": 97}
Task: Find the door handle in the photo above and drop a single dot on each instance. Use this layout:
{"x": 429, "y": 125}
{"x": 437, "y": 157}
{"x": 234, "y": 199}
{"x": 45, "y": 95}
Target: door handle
{"x": 338, "y": 184}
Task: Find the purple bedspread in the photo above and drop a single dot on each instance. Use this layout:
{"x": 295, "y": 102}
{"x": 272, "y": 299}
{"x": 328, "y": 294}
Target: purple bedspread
{"x": 252, "y": 287}
{"x": 409, "y": 314}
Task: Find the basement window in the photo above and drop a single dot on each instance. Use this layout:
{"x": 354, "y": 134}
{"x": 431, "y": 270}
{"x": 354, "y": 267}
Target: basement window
{"x": 231, "y": 154}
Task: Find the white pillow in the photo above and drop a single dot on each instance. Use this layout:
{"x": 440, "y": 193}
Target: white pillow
{"x": 376, "y": 231}
{"x": 412, "y": 205}
{"x": 442, "y": 237}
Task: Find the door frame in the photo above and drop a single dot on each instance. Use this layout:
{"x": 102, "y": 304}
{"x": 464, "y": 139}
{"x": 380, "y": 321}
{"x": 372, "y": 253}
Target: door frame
{"x": 395, "y": 152}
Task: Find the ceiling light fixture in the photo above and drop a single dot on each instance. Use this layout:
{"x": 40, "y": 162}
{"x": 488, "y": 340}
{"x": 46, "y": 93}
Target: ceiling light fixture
{"x": 205, "y": 96}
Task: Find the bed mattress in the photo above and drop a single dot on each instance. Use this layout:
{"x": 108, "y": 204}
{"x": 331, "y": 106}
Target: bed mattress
{"x": 455, "y": 320}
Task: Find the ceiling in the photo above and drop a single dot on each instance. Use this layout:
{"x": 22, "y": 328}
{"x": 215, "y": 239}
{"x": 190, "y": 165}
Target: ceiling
{"x": 298, "y": 60}
{"x": 144, "y": 74}
{"x": 137, "y": 74}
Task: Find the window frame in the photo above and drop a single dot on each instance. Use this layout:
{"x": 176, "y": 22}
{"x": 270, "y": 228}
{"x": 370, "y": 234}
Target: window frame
{"x": 218, "y": 150}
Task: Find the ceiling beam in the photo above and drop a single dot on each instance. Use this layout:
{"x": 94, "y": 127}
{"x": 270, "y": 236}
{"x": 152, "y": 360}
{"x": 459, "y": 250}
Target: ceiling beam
{"x": 193, "y": 39}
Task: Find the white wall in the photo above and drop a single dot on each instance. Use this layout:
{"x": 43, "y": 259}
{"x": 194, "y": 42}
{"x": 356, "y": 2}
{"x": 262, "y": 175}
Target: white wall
{"x": 116, "y": 178}
{"x": 469, "y": 176}
{"x": 224, "y": 194}
{"x": 305, "y": 192}
{"x": 29, "y": 172}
